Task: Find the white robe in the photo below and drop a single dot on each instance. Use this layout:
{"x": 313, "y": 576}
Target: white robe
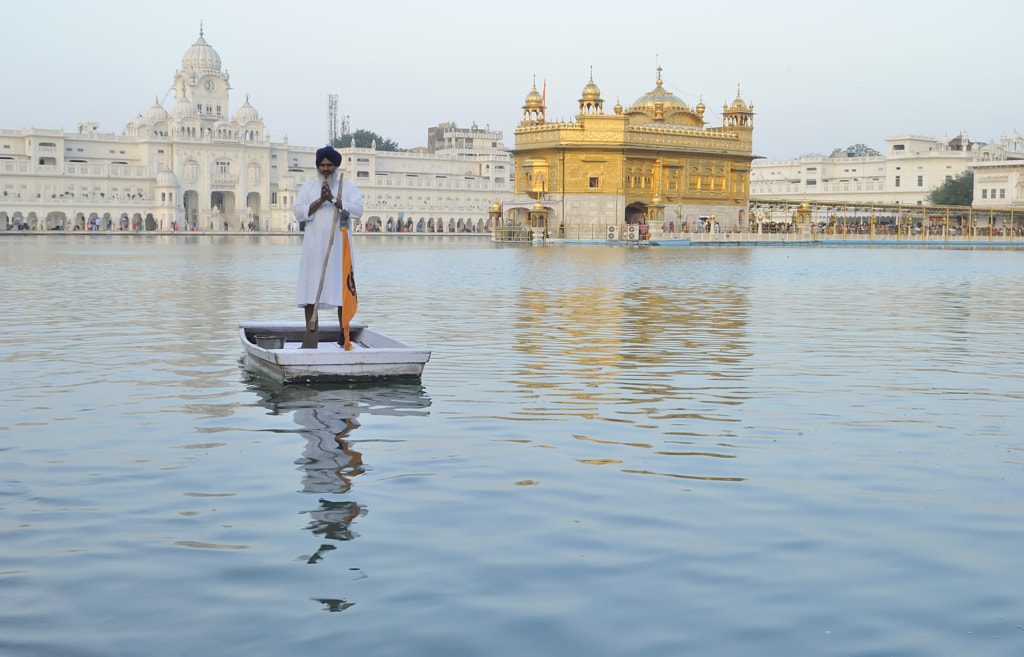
{"x": 314, "y": 243}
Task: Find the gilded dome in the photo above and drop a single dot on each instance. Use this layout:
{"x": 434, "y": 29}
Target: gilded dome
{"x": 156, "y": 113}
{"x": 659, "y": 95}
{"x": 201, "y": 56}
{"x": 534, "y": 99}
{"x": 591, "y": 91}
{"x": 738, "y": 104}
{"x": 247, "y": 113}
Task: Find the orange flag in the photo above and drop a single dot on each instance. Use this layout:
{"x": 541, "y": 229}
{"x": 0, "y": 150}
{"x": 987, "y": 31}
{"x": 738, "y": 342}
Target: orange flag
{"x": 349, "y": 299}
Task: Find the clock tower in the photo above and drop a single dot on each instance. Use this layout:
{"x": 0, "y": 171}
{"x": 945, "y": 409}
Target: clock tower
{"x": 202, "y": 85}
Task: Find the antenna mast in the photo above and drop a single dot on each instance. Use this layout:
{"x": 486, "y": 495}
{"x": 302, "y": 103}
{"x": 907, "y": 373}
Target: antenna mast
{"x": 332, "y": 118}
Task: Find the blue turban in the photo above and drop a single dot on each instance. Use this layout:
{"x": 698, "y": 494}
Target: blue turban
{"x": 333, "y": 156}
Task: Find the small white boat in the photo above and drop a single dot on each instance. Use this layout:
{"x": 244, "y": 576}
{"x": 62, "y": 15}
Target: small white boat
{"x": 273, "y": 350}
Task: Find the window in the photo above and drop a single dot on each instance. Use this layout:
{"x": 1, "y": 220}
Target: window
{"x": 1002, "y": 193}
{"x": 899, "y": 147}
{"x": 984, "y": 193}
{"x": 593, "y": 182}
{"x": 920, "y": 181}
{"x": 992, "y": 194}
{"x": 273, "y": 198}
{"x": 362, "y": 174}
{"x": 897, "y": 181}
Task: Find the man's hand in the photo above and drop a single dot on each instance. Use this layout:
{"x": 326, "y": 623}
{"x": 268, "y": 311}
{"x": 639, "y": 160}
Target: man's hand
{"x": 325, "y": 194}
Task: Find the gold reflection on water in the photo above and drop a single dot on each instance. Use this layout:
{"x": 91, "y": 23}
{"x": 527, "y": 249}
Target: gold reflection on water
{"x": 717, "y": 456}
{"x": 611, "y": 442}
{"x": 608, "y": 333}
{"x": 599, "y": 461}
{"x": 201, "y": 446}
{"x": 210, "y": 546}
{"x": 682, "y": 476}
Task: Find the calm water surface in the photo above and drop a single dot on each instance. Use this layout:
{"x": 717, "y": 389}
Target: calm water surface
{"x": 613, "y": 451}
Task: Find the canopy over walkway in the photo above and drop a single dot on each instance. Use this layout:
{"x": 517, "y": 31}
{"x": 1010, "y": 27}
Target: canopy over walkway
{"x": 769, "y": 215}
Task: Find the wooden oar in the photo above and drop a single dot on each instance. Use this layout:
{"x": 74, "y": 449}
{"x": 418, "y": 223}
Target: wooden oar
{"x": 311, "y": 340}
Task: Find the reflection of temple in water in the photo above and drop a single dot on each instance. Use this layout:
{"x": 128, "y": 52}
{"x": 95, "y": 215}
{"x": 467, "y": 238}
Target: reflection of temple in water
{"x": 329, "y": 463}
{"x": 640, "y": 332}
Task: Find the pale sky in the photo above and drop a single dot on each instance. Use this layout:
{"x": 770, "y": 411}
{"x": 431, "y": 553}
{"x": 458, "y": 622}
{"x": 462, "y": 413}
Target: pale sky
{"x": 821, "y": 75}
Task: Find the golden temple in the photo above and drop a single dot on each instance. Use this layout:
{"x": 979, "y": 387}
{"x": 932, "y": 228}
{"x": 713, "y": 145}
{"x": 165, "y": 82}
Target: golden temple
{"x": 656, "y": 162}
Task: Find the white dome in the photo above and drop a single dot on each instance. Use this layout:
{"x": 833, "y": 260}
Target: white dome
{"x": 247, "y": 113}
{"x": 201, "y": 57}
{"x": 156, "y": 113}
{"x": 166, "y": 179}
{"x": 137, "y": 122}
{"x": 286, "y": 183}
{"x": 183, "y": 109}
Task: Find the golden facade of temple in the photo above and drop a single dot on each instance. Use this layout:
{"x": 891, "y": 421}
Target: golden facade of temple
{"x": 655, "y": 162}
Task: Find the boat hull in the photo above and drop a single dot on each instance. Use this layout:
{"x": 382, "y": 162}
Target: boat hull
{"x": 374, "y": 356}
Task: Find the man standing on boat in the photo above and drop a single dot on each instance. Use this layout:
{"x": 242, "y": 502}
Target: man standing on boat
{"x": 314, "y": 206}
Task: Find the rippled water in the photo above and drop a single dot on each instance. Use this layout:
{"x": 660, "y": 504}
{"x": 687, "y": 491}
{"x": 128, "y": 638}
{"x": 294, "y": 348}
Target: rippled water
{"x": 613, "y": 451}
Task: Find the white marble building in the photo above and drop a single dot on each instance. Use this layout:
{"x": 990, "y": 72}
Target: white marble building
{"x": 908, "y": 171}
{"x": 999, "y": 174}
{"x": 196, "y": 166}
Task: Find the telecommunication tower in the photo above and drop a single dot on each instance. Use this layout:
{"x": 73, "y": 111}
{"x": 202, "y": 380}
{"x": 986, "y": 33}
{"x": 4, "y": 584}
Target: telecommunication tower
{"x": 332, "y": 118}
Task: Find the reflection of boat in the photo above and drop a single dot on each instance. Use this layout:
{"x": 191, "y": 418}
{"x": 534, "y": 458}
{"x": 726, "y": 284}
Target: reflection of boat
{"x": 671, "y": 242}
{"x": 374, "y": 356}
{"x": 331, "y": 404}
{"x": 328, "y": 417}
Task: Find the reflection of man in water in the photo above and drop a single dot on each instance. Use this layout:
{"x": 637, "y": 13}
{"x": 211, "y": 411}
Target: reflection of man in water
{"x": 329, "y": 465}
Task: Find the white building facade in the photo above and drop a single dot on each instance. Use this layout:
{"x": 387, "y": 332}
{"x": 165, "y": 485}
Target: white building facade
{"x": 999, "y": 174}
{"x": 197, "y": 167}
{"x": 910, "y": 169}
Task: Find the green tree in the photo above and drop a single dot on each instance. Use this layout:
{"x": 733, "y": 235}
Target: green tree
{"x": 955, "y": 191}
{"x": 363, "y": 139}
{"x": 857, "y": 150}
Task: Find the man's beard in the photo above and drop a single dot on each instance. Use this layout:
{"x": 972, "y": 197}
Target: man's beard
{"x": 332, "y": 178}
